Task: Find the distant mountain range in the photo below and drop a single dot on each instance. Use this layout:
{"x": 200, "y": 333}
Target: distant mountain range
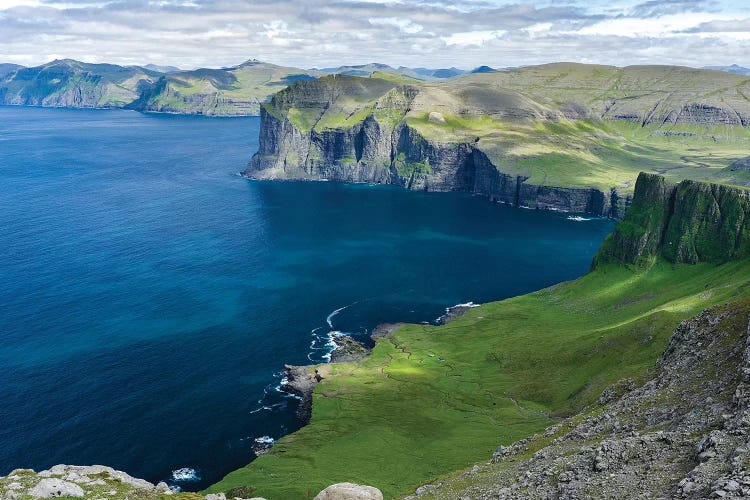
{"x": 425, "y": 74}
{"x": 236, "y": 90}
{"x": 737, "y": 70}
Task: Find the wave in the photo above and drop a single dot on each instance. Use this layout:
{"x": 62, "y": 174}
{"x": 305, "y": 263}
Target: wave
{"x": 264, "y": 440}
{"x": 329, "y": 318}
{"x": 185, "y": 474}
{"x": 466, "y": 304}
{"x": 577, "y": 218}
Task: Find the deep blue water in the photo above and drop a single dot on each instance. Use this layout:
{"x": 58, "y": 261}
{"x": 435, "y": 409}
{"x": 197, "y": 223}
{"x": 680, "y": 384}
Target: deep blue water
{"x": 149, "y": 295}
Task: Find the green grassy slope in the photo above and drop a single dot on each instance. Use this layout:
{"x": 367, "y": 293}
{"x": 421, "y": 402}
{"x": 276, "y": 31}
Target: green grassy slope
{"x": 431, "y": 400}
{"x": 230, "y": 91}
{"x": 568, "y": 125}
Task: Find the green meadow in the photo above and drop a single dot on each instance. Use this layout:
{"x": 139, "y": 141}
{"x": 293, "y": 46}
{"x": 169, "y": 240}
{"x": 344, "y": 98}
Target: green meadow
{"x": 434, "y": 399}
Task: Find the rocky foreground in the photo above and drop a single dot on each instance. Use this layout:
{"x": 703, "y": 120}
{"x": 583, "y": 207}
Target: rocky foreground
{"x": 98, "y": 482}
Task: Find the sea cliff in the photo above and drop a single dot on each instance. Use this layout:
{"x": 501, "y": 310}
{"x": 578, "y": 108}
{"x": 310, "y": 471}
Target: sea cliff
{"x": 575, "y": 147}
{"x": 689, "y": 222}
{"x": 377, "y": 151}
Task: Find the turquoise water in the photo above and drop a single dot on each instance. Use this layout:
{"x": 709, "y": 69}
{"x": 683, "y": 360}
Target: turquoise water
{"x": 149, "y": 295}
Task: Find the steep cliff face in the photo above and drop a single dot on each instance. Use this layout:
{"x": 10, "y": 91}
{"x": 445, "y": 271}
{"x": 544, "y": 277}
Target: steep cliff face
{"x": 382, "y": 150}
{"x": 690, "y": 222}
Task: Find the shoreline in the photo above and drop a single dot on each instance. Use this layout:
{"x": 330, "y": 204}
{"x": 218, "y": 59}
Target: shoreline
{"x": 589, "y": 216}
{"x": 301, "y": 380}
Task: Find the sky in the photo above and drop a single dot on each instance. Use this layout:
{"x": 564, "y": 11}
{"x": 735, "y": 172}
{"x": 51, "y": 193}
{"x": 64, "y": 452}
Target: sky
{"x": 325, "y": 33}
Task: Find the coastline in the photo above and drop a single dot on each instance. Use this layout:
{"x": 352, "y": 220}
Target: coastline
{"x": 301, "y": 380}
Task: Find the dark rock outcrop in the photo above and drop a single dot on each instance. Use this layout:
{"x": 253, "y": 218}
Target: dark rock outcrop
{"x": 384, "y": 329}
{"x": 689, "y": 222}
{"x": 348, "y": 349}
{"x": 301, "y": 381}
{"x": 741, "y": 164}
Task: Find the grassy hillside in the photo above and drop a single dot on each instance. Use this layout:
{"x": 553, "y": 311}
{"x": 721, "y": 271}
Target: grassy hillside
{"x": 430, "y": 400}
{"x": 230, "y": 91}
{"x": 75, "y": 84}
{"x": 237, "y": 90}
{"x": 568, "y": 125}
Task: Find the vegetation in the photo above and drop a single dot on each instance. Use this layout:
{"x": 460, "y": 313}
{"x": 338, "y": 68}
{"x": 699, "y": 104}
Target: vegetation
{"x": 565, "y": 125}
{"x": 435, "y": 399}
{"x": 431, "y": 400}
{"x": 228, "y": 91}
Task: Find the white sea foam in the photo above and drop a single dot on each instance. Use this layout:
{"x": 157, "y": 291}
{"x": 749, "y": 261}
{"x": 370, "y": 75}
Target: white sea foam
{"x": 467, "y": 304}
{"x": 185, "y": 474}
{"x": 329, "y": 318}
{"x": 577, "y": 218}
{"x": 264, "y": 440}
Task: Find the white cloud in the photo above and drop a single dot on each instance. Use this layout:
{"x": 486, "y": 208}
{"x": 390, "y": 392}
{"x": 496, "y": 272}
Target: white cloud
{"x": 661, "y": 26}
{"x": 405, "y": 25}
{"x": 472, "y": 37}
{"x": 436, "y": 33}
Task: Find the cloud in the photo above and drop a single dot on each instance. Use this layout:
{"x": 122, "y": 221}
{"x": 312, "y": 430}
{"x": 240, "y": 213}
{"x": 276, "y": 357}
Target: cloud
{"x": 656, "y": 8}
{"x": 472, "y": 37}
{"x": 405, "y": 25}
{"x": 193, "y": 33}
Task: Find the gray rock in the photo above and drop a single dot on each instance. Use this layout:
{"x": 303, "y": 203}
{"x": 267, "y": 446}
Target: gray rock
{"x": 349, "y": 491}
{"x": 301, "y": 381}
{"x": 54, "y": 487}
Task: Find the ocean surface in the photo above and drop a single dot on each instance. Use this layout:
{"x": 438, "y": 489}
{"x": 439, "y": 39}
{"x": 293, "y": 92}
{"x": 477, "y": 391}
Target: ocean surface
{"x": 149, "y": 295}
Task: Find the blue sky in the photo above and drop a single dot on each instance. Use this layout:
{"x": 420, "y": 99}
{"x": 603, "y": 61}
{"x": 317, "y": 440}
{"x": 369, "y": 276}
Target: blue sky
{"x": 320, "y": 33}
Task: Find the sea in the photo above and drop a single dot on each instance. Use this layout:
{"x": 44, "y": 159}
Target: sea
{"x": 150, "y": 295}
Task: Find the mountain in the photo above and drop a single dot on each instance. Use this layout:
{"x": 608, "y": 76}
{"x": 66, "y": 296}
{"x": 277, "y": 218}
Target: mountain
{"x": 237, "y": 90}
{"x": 564, "y": 136}
{"x": 738, "y": 70}
{"x": 6, "y": 68}
{"x": 372, "y": 69}
{"x": 440, "y": 73}
{"x": 71, "y": 83}
{"x": 162, "y": 69}
{"x": 483, "y": 69}
{"x": 630, "y": 382}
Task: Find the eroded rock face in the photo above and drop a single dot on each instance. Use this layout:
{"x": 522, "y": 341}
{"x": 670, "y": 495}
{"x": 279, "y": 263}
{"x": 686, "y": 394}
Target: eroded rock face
{"x": 378, "y": 152}
{"x": 349, "y": 491}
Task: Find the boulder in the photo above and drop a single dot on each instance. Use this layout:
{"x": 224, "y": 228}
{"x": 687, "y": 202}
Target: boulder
{"x": 52, "y": 487}
{"x": 436, "y": 117}
{"x": 349, "y": 491}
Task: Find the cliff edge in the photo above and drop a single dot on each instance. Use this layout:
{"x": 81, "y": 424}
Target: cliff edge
{"x": 689, "y": 222}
